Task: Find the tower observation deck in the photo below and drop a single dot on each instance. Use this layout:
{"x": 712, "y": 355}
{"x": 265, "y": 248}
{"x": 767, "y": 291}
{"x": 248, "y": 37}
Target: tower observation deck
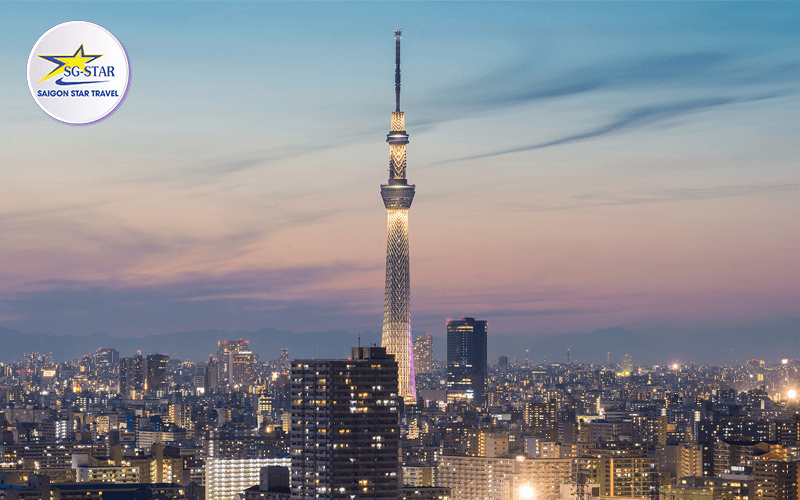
{"x": 397, "y": 196}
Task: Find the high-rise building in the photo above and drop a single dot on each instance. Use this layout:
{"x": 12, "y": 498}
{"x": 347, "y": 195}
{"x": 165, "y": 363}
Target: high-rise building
{"x": 265, "y": 405}
{"x": 625, "y": 366}
{"x": 467, "y": 358}
{"x": 690, "y": 460}
{"x": 397, "y": 196}
{"x": 541, "y": 416}
{"x": 777, "y": 480}
{"x": 131, "y": 375}
{"x": 181, "y": 415}
{"x": 31, "y": 361}
{"x": 106, "y": 360}
{"x": 345, "y": 430}
{"x": 423, "y": 354}
{"x": 240, "y": 369}
{"x": 284, "y": 364}
{"x": 212, "y": 374}
{"x": 156, "y": 366}
{"x": 503, "y": 364}
{"x": 200, "y": 377}
{"x": 224, "y": 348}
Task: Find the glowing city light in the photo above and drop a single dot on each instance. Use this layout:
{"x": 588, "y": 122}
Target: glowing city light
{"x": 525, "y": 492}
{"x": 792, "y": 394}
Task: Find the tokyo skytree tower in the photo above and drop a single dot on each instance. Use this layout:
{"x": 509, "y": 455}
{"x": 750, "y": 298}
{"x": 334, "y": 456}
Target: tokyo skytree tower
{"x": 397, "y": 196}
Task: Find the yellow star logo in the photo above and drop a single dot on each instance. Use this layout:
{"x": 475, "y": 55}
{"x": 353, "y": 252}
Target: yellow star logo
{"x": 76, "y": 60}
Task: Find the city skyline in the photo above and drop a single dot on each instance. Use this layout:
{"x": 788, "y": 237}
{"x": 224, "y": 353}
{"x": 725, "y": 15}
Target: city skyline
{"x": 632, "y": 167}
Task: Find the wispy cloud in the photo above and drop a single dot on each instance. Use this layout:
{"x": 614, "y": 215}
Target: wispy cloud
{"x": 642, "y": 196}
{"x": 245, "y": 299}
{"x": 635, "y": 118}
{"x": 729, "y": 77}
{"x": 523, "y": 83}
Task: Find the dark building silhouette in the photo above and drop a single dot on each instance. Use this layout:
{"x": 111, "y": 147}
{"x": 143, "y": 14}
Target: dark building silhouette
{"x": 156, "y": 371}
{"x": 503, "y": 364}
{"x": 106, "y": 360}
{"x": 131, "y": 375}
{"x": 467, "y": 358}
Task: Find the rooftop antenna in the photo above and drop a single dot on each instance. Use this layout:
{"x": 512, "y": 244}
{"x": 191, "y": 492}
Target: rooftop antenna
{"x": 397, "y": 37}
{"x": 359, "y": 340}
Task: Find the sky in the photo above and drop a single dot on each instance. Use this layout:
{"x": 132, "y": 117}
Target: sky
{"x": 577, "y": 165}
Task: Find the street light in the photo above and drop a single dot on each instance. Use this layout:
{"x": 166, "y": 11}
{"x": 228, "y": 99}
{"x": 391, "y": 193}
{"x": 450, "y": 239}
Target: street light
{"x": 525, "y": 492}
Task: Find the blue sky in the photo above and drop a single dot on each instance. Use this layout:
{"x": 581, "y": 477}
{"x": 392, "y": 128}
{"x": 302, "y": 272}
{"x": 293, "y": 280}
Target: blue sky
{"x": 578, "y": 166}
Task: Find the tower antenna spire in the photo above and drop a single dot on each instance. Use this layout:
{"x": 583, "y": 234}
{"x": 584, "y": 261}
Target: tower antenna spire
{"x": 397, "y": 37}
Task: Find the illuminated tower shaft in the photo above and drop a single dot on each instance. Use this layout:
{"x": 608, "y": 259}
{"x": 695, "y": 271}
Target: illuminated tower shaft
{"x": 397, "y": 196}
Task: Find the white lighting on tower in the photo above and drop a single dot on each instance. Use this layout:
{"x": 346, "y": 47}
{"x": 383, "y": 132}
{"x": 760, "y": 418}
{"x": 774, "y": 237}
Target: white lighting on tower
{"x": 397, "y": 196}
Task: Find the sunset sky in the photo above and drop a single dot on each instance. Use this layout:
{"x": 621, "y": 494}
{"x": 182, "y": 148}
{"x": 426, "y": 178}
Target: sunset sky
{"x": 578, "y": 166}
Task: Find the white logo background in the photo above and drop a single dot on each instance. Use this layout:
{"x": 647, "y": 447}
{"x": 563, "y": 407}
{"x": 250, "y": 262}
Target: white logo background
{"x": 64, "y": 40}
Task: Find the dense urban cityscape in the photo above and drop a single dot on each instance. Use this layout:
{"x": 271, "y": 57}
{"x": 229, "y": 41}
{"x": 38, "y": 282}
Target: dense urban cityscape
{"x": 234, "y": 426}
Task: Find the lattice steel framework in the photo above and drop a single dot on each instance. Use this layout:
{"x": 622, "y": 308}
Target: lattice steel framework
{"x": 397, "y": 305}
{"x": 397, "y": 196}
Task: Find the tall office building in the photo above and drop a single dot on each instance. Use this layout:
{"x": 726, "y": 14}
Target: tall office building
{"x": 224, "y": 348}
{"x": 423, "y": 354}
{"x": 284, "y": 364}
{"x": 397, "y": 196}
{"x": 32, "y": 361}
{"x": 131, "y": 375}
{"x": 466, "y": 358}
{"x": 625, "y": 366}
{"x": 200, "y": 377}
{"x": 240, "y": 369}
{"x": 156, "y": 366}
{"x": 345, "y": 431}
{"x": 106, "y": 360}
{"x": 212, "y": 374}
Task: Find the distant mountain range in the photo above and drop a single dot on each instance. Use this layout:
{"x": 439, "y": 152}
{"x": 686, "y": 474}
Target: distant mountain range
{"x": 719, "y": 346}
{"x": 196, "y": 346}
{"x": 771, "y": 342}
